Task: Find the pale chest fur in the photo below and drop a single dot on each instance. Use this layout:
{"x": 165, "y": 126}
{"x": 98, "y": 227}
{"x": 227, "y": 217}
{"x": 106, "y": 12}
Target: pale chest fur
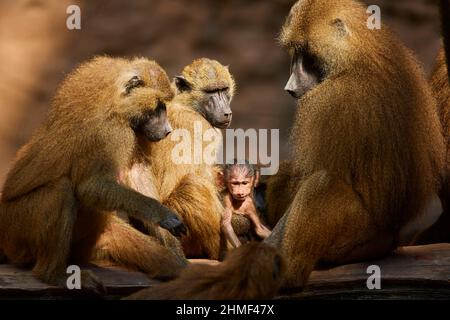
{"x": 191, "y": 149}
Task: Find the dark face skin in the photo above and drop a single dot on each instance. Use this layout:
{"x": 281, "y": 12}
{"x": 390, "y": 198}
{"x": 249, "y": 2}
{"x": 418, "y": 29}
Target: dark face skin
{"x": 215, "y": 105}
{"x": 155, "y": 125}
{"x": 216, "y": 108}
{"x": 305, "y": 74}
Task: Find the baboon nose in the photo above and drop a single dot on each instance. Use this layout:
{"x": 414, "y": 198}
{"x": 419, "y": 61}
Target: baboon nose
{"x": 291, "y": 92}
{"x": 168, "y": 129}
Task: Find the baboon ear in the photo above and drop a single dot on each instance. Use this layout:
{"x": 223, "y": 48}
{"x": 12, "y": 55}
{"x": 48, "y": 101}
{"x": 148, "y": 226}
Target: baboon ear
{"x": 133, "y": 82}
{"x": 257, "y": 178}
{"x": 182, "y": 84}
{"x": 220, "y": 179}
{"x": 341, "y": 27}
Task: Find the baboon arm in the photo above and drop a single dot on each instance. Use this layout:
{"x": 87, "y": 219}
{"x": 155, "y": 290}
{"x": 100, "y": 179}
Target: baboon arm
{"x": 279, "y": 193}
{"x": 231, "y": 235}
{"x": 227, "y": 229}
{"x": 105, "y": 193}
{"x": 326, "y": 221}
{"x": 252, "y": 214}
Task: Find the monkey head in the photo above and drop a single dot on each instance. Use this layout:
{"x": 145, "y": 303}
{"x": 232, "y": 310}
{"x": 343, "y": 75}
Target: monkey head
{"x": 240, "y": 179}
{"x": 133, "y": 93}
{"x": 145, "y": 110}
{"x": 209, "y": 87}
{"x": 324, "y": 38}
{"x": 144, "y": 90}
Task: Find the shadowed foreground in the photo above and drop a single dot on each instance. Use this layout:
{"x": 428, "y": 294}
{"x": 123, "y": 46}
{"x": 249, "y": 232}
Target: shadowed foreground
{"x": 421, "y": 272}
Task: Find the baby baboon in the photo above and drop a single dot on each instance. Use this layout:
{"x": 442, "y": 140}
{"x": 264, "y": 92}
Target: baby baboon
{"x": 58, "y": 194}
{"x": 367, "y": 146}
{"x": 240, "y": 181}
{"x": 250, "y": 272}
{"x": 202, "y": 103}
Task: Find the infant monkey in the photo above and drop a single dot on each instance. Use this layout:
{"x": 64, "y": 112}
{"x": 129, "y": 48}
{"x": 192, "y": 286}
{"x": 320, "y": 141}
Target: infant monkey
{"x": 239, "y": 181}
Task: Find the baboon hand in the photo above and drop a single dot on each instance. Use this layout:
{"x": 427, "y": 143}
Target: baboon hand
{"x": 174, "y": 225}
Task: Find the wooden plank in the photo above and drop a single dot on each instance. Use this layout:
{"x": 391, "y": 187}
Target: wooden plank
{"x": 20, "y": 283}
{"x": 421, "y": 272}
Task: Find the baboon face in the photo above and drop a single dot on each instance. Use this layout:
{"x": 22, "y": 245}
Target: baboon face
{"x": 145, "y": 109}
{"x": 240, "y": 181}
{"x": 216, "y": 107}
{"x": 153, "y": 124}
{"x": 213, "y": 101}
{"x": 320, "y": 36}
{"x": 211, "y": 88}
{"x": 306, "y": 73}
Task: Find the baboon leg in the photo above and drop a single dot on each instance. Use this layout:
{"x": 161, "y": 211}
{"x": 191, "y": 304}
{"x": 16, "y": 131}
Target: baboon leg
{"x": 439, "y": 232}
{"x": 325, "y": 222}
{"x": 125, "y": 246}
{"x": 56, "y": 229}
{"x": 196, "y": 201}
{"x": 38, "y": 229}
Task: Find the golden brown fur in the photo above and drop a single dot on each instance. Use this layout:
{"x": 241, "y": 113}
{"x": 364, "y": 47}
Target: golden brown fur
{"x": 190, "y": 188}
{"x": 278, "y": 194}
{"x": 440, "y": 231}
{"x": 57, "y": 198}
{"x": 441, "y": 90}
{"x": 366, "y": 141}
{"x": 251, "y": 271}
{"x": 121, "y": 244}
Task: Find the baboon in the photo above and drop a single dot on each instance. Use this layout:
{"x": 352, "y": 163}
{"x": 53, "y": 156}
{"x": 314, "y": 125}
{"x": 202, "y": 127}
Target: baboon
{"x": 240, "y": 181}
{"x": 249, "y": 272}
{"x": 367, "y": 148}
{"x": 440, "y": 84}
{"x": 61, "y": 191}
{"x": 278, "y": 196}
{"x": 200, "y": 108}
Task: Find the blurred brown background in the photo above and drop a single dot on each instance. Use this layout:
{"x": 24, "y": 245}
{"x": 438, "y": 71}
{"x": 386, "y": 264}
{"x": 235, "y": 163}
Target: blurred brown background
{"x": 37, "y": 50}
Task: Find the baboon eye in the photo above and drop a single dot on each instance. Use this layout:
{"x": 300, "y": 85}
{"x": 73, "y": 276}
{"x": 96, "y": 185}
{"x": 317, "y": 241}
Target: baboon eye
{"x": 134, "y": 82}
{"x": 215, "y": 90}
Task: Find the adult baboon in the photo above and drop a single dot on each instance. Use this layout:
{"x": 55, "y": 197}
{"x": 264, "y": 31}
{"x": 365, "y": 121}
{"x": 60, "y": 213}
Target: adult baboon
{"x": 367, "y": 148}
{"x": 65, "y": 182}
{"x": 188, "y": 186}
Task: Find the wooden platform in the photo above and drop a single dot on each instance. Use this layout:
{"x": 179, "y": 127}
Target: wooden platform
{"x": 421, "y": 272}
{"x": 410, "y": 273}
